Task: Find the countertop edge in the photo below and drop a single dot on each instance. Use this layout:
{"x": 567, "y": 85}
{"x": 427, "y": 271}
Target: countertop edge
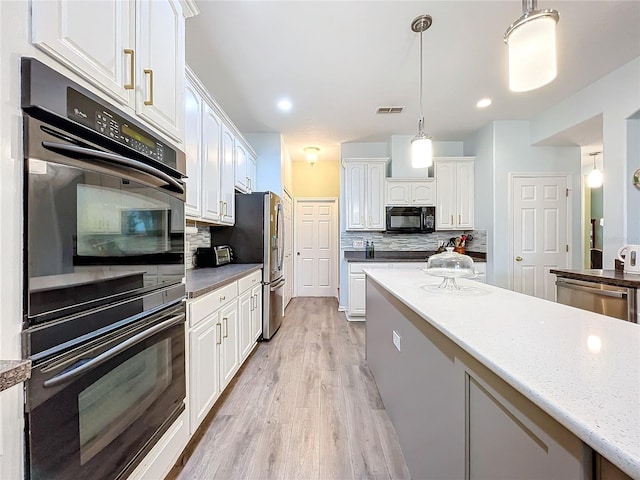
{"x": 620, "y": 457}
{"x": 607, "y": 277}
{"x": 218, "y": 278}
{"x": 13, "y": 372}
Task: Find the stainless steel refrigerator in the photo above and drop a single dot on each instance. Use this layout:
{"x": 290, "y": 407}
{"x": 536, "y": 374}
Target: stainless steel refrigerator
{"x": 258, "y": 237}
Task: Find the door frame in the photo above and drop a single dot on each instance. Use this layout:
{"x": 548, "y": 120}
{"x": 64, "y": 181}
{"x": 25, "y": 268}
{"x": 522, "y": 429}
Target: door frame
{"x": 569, "y": 199}
{"x": 334, "y": 234}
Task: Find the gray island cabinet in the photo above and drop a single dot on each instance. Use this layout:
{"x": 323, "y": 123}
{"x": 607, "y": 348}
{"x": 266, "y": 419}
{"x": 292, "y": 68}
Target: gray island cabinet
{"x": 461, "y": 410}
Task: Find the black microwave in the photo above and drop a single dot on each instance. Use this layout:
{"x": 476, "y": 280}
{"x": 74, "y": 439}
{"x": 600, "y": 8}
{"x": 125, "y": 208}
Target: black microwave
{"x": 411, "y": 219}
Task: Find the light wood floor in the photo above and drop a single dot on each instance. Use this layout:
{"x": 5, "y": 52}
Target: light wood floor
{"x": 304, "y": 406}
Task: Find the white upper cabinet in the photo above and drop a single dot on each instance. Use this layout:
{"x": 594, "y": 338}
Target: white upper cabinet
{"x": 241, "y": 167}
{"x": 245, "y": 168}
{"x": 454, "y": 193}
{"x": 408, "y": 192}
{"x": 364, "y": 192}
{"x": 160, "y": 64}
{"x": 134, "y": 53}
{"x": 227, "y": 192}
{"x": 209, "y": 171}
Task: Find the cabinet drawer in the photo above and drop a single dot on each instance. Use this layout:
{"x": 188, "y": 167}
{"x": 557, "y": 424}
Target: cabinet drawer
{"x": 358, "y": 267}
{"x": 200, "y": 308}
{"x": 249, "y": 281}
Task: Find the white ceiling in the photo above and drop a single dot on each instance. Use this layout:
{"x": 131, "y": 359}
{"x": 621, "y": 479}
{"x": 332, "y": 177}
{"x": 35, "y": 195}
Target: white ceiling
{"x": 340, "y": 60}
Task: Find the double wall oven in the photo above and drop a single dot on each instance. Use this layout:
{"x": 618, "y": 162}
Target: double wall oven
{"x": 104, "y": 307}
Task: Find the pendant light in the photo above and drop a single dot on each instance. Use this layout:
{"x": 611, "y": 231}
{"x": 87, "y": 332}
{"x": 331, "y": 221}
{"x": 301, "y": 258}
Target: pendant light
{"x": 532, "y": 48}
{"x": 421, "y": 146}
{"x": 594, "y": 180}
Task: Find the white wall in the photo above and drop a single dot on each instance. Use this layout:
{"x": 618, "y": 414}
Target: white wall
{"x": 481, "y": 146}
{"x": 269, "y": 161}
{"x": 633, "y": 193}
{"x": 503, "y": 148}
{"x": 617, "y": 97}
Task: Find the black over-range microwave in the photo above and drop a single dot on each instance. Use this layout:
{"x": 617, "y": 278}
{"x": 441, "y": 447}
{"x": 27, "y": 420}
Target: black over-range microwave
{"x": 411, "y": 219}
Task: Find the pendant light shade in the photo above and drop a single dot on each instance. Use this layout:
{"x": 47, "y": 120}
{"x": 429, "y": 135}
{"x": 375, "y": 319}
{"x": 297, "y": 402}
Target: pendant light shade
{"x": 311, "y": 154}
{"x": 421, "y": 146}
{"x": 532, "y": 48}
{"x": 594, "y": 180}
{"x": 421, "y": 152}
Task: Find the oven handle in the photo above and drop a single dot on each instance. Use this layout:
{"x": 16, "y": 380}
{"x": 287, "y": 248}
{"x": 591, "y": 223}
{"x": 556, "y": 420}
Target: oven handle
{"x": 112, "y": 352}
{"x": 117, "y": 159}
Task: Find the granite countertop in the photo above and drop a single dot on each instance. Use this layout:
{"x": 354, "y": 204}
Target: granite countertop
{"x": 205, "y": 280}
{"x": 608, "y": 277}
{"x": 403, "y": 256}
{"x": 13, "y": 372}
{"x": 580, "y": 367}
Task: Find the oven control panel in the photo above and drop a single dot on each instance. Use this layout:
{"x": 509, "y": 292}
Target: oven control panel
{"x": 102, "y": 120}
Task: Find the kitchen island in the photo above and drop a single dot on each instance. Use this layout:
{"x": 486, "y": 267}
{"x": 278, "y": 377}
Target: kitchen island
{"x": 489, "y": 383}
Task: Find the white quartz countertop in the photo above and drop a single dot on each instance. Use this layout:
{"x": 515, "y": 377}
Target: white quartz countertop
{"x": 582, "y": 368}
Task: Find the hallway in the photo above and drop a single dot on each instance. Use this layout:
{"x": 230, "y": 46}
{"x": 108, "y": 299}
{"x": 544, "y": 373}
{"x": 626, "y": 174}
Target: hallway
{"x": 304, "y": 406}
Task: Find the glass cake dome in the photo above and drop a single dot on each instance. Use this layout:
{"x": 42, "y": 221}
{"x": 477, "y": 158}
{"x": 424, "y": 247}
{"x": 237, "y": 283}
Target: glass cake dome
{"x": 450, "y": 265}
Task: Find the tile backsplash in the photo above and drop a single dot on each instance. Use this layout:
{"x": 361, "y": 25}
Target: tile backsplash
{"x": 412, "y": 241}
{"x": 195, "y": 240}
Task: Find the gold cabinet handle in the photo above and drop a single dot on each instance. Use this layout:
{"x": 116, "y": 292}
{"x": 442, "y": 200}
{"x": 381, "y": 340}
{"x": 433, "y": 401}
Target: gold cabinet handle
{"x": 148, "y": 71}
{"x": 518, "y": 258}
{"x": 225, "y": 209}
{"x": 459, "y": 219}
{"x": 223, "y": 298}
{"x": 451, "y": 219}
{"x": 226, "y": 327}
{"x": 221, "y": 208}
{"x": 132, "y": 62}
{"x": 218, "y": 334}
{"x": 251, "y": 303}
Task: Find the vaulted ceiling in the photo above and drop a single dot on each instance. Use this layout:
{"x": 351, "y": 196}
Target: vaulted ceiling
{"x": 338, "y": 61}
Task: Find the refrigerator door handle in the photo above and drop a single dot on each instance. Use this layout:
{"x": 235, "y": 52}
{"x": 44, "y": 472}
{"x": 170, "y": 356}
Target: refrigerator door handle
{"x": 279, "y": 236}
{"x": 277, "y": 285}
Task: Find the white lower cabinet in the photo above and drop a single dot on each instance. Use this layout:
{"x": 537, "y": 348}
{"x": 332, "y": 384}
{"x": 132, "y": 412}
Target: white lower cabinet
{"x": 221, "y": 335}
{"x": 357, "y": 294}
{"x": 249, "y": 311}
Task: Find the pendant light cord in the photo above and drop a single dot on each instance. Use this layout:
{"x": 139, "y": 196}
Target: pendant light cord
{"x": 421, "y": 119}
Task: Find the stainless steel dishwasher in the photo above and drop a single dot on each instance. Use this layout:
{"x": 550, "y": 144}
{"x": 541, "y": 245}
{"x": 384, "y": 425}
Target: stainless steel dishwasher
{"x": 618, "y": 302}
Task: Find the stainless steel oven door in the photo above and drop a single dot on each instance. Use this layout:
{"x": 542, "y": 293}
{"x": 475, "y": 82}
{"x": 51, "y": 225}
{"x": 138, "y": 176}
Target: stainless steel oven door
{"x": 99, "y": 227}
{"x": 94, "y": 412}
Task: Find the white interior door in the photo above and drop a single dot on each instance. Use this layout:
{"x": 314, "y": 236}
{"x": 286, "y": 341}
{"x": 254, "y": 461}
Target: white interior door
{"x": 316, "y": 248}
{"x": 539, "y": 233}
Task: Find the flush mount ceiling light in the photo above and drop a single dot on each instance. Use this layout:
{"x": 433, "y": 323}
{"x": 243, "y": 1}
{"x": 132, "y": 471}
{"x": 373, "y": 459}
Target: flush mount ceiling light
{"x": 421, "y": 146}
{"x": 483, "y": 103}
{"x": 312, "y": 154}
{"x": 285, "y": 104}
{"x": 532, "y": 48}
{"x": 594, "y": 180}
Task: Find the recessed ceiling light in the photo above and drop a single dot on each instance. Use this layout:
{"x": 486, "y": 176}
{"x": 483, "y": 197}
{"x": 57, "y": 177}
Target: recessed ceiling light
{"x": 285, "y": 105}
{"x": 483, "y": 103}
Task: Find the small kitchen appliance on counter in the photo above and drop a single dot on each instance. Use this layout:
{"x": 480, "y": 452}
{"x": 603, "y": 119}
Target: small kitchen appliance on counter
{"x": 631, "y": 258}
{"x": 213, "y": 256}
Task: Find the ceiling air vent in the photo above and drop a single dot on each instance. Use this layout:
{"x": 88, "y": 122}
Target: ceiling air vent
{"x": 389, "y": 110}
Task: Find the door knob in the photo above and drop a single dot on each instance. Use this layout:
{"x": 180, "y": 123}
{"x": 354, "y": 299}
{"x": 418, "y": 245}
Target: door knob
{"x": 518, "y": 258}
{"x": 298, "y": 253}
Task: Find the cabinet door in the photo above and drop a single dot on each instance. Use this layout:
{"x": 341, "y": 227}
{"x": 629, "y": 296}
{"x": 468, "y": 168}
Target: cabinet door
{"x": 357, "y": 294}
{"x": 355, "y": 185}
{"x": 227, "y": 179}
{"x": 245, "y": 325}
{"x": 464, "y": 194}
{"x": 69, "y": 32}
{"x": 241, "y": 167}
{"x": 398, "y": 194}
{"x": 160, "y": 73}
{"x": 211, "y": 125}
{"x": 229, "y": 358}
{"x": 376, "y": 173}
{"x": 423, "y": 193}
{"x": 256, "y": 318}
{"x": 445, "y": 173}
{"x": 251, "y": 173}
{"x": 193, "y": 146}
{"x": 203, "y": 369}
{"x": 505, "y": 442}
